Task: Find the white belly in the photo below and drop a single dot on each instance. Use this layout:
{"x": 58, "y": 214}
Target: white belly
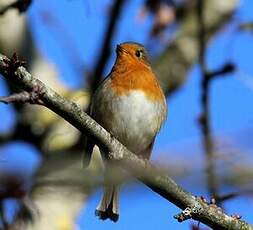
{"x": 133, "y": 119}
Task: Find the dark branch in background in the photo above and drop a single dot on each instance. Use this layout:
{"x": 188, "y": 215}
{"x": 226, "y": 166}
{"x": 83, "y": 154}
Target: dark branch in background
{"x": 22, "y": 132}
{"x": 212, "y": 182}
{"x": 3, "y": 221}
{"x": 207, "y": 77}
{"x": 229, "y": 196}
{"x": 247, "y": 26}
{"x": 174, "y": 63}
{"x": 105, "y": 52}
{"x": 20, "y": 5}
{"x": 106, "y": 47}
{"x": 193, "y": 207}
{"x": 10, "y": 187}
{"x": 225, "y": 69}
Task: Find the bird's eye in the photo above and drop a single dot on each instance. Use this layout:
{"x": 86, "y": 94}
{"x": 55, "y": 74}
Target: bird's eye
{"x": 139, "y": 53}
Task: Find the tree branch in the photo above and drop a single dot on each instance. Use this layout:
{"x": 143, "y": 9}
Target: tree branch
{"x": 174, "y": 63}
{"x": 143, "y": 170}
{"x": 20, "y": 5}
{"x": 212, "y": 181}
{"x": 106, "y": 47}
{"x": 207, "y": 78}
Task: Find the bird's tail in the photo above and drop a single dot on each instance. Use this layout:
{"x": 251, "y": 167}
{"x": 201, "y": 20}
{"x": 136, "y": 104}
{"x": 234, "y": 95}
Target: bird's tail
{"x": 108, "y": 207}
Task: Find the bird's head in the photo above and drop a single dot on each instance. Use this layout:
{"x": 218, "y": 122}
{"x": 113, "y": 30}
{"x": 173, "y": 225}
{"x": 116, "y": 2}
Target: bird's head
{"x": 132, "y": 52}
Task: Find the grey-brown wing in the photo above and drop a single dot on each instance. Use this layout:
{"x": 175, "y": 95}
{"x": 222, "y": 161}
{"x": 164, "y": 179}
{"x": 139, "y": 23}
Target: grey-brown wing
{"x": 147, "y": 152}
{"x": 89, "y": 143}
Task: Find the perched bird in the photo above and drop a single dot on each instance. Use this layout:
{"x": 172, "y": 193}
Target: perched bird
{"x": 129, "y": 104}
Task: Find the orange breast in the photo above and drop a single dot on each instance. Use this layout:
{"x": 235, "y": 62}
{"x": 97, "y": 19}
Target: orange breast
{"x": 137, "y": 77}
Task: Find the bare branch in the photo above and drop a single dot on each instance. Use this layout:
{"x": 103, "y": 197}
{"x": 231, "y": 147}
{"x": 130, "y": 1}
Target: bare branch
{"x": 247, "y": 26}
{"x": 20, "y": 5}
{"x": 232, "y": 195}
{"x": 212, "y": 181}
{"x": 225, "y": 69}
{"x": 23, "y": 97}
{"x": 143, "y": 170}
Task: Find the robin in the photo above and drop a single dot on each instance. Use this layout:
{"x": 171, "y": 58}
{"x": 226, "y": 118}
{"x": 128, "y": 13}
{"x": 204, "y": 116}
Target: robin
{"x": 130, "y": 105}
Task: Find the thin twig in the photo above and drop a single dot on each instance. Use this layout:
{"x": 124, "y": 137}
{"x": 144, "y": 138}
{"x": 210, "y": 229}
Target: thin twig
{"x": 24, "y": 97}
{"x": 221, "y": 72}
{"x": 212, "y": 182}
{"x": 232, "y": 195}
{"x": 21, "y": 97}
{"x": 143, "y": 170}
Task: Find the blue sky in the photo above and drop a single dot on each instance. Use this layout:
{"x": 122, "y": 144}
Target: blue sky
{"x": 231, "y": 99}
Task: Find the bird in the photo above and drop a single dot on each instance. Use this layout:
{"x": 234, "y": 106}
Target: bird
{"x": 131, "y": 106}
